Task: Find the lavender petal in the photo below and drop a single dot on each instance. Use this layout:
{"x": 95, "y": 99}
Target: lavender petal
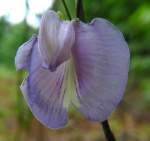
{"x": 101, "y": 59}
{"x": 42, "y": 91}
{"x": 23, "y": 53}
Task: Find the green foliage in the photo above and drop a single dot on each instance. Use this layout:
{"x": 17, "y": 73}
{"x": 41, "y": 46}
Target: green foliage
{"x": 58, "y": 6}
{"x": 13, "y": 37}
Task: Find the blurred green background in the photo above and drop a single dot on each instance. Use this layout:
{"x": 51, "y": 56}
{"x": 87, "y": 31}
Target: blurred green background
{"x": 130, "y": 121}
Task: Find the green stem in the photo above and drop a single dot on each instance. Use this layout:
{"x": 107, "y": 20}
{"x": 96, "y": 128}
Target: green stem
{"x": 107, "y": 131}
{"x": 67, "y": 10}
{"x": 80, "y": 10}
{"x": 27, "y": 9}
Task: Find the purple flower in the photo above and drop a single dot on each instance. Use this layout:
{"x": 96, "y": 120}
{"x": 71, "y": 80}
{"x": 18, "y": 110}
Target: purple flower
{"x": 71, "y": 62}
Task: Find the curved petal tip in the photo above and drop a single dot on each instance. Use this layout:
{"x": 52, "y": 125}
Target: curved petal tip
{"x": 102, "y": 61}
{"x": 23, "y": 53}
{"x": 56, "y": 39}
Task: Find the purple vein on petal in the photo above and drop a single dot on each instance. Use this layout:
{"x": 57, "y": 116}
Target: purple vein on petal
{"x": 23, "y": 53}
{"x": 101, "y": 60}
{"x": 43, "y": 92}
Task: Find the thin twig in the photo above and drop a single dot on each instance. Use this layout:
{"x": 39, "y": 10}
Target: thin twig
{"x": 107, "y": 131}
{"x": 27, "y": 9}
{"x": 80, "y": 10}
{"x": 66, "y": 8}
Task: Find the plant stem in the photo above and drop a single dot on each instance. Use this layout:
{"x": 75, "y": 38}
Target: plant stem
{"x": 66, "y": 8}
{"x": 27, "y": 9}
{"x": 80, "y": 10}
{"x": 107, "y": 131}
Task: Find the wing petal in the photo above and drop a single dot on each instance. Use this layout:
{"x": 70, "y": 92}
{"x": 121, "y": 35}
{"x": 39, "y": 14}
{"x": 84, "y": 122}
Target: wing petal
{"x": 101, "y": 60}
{"x": 42, "y": 91}
{"x": 23, "y": 53}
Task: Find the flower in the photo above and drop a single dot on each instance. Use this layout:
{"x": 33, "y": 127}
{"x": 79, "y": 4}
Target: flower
{"x": 71, "y": 62}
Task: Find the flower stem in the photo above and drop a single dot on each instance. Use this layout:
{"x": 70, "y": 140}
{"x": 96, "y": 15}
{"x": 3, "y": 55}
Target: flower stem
{"x": 67, "y": 10}
{"x": 80, "y": 10}
{"x": 107, "y": 131}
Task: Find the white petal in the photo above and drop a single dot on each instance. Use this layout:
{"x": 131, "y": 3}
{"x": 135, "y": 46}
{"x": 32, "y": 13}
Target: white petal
{"x": 55, "y": 40}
